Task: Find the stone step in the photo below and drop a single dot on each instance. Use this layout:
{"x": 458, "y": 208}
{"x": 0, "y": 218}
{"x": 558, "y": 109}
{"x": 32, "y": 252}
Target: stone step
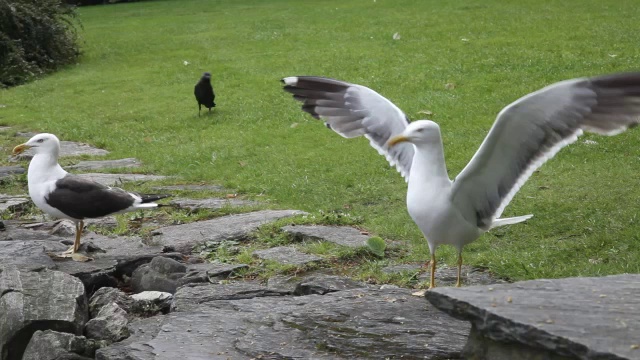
{"x": 574, "y": 318}
{"x": 341, "y": 235}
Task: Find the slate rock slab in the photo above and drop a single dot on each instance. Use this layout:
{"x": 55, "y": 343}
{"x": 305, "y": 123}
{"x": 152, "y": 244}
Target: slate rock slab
{"x": 448, "y": 275}
{"x": 105, "y": 164}
{"x": 29, "y": 255}
{"x": 161, "y": 274}
{"x": 286, "y": 255}
{"x": 53, "y": 345}
{"x": 323, "y": 284}
{"x": 13, "y": 203}
{"x": 109, "y": 325}
{"x": 192, "y": 296}
{"x": 6, "y": 171}
{"x": 574, "y": 318}
{"x": 209, "y": 272}
{"x": 148, "y": 303}
{"x": 211, "y": 203}
{"x": 341, "y": 235}
{"x": 350, "y": 324}
{"x": 117, "y": 179}
{"x": 31, "y": 301}
{"x": 109, "y": 295}
{"x": 183, "y": 238}
{"x": 67, "y": 148}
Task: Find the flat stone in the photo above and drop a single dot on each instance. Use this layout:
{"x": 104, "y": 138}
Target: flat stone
{"x": 105, "y": 164}
{"x": 189, "y": 188}
{"x": 161, "y": 274}
{"x": 6, "y": 171}
{"x": 54, "y": 345}
{"x": 211, "y": 203}
{"x": 574, "y": 318}
{"x": 208, "y": 272}
{"x": 117, "y": 179}
{"x": 67, "y": 148}
{"x": 191, "y": 297}
{"x": 148, "y": 303}
{"x": 13, "y": 203}
{"x": 349, "y": 324}
{"x": 29, "y": 255}
{"x": 324, "y": 284}
{"x": 183, "y": 238}
{"x": 286, "y": 255}
{"x": 448, "y": 276}
{"x": 341, "y": 235}
{"x": 31, "y": 301}
{"x": 109, "y": 295}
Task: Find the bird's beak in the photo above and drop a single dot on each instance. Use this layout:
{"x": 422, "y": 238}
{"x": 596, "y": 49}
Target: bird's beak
{"x": 397, "y": 139}
{"x": 20, "y": 149}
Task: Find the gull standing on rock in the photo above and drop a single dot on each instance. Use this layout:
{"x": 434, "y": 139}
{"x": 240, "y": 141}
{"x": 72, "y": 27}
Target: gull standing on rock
{"x": 66, "y": 196}
{"x": 526, "y": 133}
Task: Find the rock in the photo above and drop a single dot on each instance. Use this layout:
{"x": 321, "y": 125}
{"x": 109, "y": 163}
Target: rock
{"x": 149, "y": 303}
{"x": 14, "y": 203}
{"x": 31, "y": 301}
{"x": 341, "y": 235}
{"x": 324, "y": 284}
{"x": 574, "y": 318}
{"x": 211, "y": 203}
{"x": 6, "y": 171}
{"x": 108, "y": 295}
{"x": 286, "y": 255}
{"x": 189, "y": 188}
{"x": 182, "y": 238}
{"x": 53, "y": 345}
{"x": 117, "y": 179}
{"x": 105, "y": 164}
{"x": 349, "y": 324}
{"x": 191, "y": 297}
{"x": 110, "y": 324}
{"x": 208, "y": 272}
{"x": 67, "y": 148}
{"x": 161, "y": 274}
{"x": 29, "y": 255}
{"x": 284, "y": 284}
{"x": 448, "y": 276}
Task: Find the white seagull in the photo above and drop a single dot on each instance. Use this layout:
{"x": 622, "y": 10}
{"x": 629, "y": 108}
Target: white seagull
{"x": 526, "y": 133}
{"x": 66, "y": 196}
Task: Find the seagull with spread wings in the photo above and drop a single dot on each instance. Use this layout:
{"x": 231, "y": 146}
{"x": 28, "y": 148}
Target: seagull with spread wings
{"x": 526, "y": 133}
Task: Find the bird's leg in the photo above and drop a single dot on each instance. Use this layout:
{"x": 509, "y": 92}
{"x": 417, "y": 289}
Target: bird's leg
{"x": 458, "y": 284}
{"x": 199, "y": 108}
{"x": 433, "y": 271}
{"x": 76, "y": 244}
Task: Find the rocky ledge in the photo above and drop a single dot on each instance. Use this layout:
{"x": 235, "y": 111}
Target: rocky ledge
{"x": 563, "y": 319}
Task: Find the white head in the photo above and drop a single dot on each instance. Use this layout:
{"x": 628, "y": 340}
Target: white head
{"x": 418, "y": 132}
{"x": 42, "y": 143}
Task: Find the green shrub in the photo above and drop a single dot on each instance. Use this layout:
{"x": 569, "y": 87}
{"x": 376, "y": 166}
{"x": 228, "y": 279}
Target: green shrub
{"x": 36, "y": 37}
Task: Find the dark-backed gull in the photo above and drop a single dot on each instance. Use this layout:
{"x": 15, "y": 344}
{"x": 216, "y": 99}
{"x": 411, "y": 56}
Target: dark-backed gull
{"x": 66, "y": 196}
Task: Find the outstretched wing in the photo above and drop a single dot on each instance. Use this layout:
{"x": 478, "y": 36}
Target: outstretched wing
{"x": 533, "y": 129}
{"x": 353, "y": 110}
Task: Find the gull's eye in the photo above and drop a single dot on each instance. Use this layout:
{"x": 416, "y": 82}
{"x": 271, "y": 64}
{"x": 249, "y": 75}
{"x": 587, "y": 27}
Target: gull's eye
{"x": 40, "y": 140}
{"x": 419, "y": 129}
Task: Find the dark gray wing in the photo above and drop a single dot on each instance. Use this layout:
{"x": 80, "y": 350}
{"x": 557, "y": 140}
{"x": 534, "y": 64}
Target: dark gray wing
{"x": 353, "y": 110}
{"x": 533, "y": 129}
{"x": 80, "y": 198}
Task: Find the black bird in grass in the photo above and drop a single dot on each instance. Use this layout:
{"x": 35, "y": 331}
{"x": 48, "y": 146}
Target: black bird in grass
{"x": 204, "y": 93}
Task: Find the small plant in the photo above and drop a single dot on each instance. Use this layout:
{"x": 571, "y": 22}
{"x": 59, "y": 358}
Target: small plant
{"x": 376, "y": 245}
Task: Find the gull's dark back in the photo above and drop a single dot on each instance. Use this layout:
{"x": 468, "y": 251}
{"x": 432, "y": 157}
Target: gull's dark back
{"x": 204, "y": 93}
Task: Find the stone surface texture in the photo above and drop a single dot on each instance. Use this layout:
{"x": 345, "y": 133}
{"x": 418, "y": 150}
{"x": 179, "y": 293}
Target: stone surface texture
{"x": 110, "y": 324}
{"x": 341, "y": 235}
{"x": 211, "y": 203}
{"x": 109, "y": 295}
{"x": 575, "y": 318}
{"x": 30, "y": 301}
{"x": 350, "y": 324}
{"x": 13, "y": 203}
{"x": 53, "y": 345}
{"x": 161, "y": 274}
{"x": 286, "y": 255}
{"x": 117, "y": 179}
{"x": 105, "y": 164}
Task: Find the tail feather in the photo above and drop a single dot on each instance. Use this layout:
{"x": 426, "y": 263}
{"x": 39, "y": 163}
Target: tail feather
{"x": 147, "y": 198}
{"x": 509, "y": 221}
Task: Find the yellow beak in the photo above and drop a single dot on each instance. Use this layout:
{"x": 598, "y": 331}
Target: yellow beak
{"x": 20, "y": 149}
{"x": 397, "y": 139}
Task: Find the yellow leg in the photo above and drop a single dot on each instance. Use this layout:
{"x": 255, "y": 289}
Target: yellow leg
{"x": 458, "y": 284}
{"x": 76, "y": 243}
{"x": 433, "y": 271}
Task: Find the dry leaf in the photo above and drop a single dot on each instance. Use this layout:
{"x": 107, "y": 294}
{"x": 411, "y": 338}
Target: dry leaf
{"x": 419, "y": 293}
{"x": 294, "y": 125}
{"x": 242, "y": 163}
{"x": 231, "y": 196}
{"x": 425, "y": 112}
{"x": 449, "y": 86}
{"x": 396, "y": 36}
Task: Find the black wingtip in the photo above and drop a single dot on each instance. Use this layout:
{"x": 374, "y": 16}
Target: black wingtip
{"x": 147, "y": 198}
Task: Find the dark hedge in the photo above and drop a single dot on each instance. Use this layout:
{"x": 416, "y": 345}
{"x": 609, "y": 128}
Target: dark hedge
{"x": 36, "y": 37}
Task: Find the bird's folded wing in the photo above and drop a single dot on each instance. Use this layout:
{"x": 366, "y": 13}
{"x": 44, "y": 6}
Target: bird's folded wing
{"x": 533, "y": 129}
{"x": 353, "y": 110}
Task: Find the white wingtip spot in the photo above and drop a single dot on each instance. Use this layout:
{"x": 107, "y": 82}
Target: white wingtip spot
{"x": 291, "y": 80}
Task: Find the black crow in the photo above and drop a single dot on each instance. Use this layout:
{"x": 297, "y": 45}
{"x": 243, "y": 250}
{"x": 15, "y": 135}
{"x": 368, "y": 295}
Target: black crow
{"x": 204, "y": 92}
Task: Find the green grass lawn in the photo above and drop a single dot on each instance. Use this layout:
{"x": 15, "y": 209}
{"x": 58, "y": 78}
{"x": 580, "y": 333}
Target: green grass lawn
{"x": 132, "y": 94}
